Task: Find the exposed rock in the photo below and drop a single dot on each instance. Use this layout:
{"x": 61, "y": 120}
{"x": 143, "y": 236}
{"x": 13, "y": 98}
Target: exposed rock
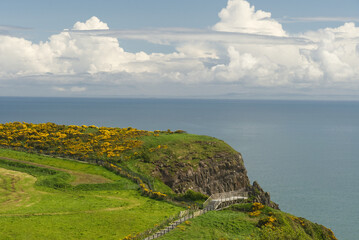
{"x": 223, "y": 172}
{"x": 258, "y": 195}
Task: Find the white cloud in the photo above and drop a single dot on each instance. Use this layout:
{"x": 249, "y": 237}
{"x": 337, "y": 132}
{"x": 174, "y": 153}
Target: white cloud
{"x": 92, "y": 24}
{"x": 336, "y": 52}
{"x": 246, "y": 48}
{"x": 240, "y": 16}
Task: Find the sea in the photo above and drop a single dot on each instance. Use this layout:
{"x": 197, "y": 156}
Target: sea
{"x": 305, "y": 153}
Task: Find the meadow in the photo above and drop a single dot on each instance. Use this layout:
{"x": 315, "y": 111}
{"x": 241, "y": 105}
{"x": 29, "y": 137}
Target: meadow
{"x": 43, "y": 203}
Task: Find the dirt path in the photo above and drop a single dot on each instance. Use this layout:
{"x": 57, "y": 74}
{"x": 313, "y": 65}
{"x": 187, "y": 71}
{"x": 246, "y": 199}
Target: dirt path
{"x": 80, "y": 177}
{"x": 15, "y": 188}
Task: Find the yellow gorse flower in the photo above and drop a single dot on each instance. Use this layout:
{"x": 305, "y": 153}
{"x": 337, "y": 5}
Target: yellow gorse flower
{"x": 80, "y": 142}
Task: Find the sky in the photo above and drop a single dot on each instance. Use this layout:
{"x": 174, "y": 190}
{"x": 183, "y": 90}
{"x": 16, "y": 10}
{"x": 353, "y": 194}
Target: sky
{"x": 230, "y": 49}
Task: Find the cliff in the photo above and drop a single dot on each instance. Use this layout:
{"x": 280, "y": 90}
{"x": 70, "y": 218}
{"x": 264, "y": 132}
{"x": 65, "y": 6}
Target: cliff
{"x": 202, "y": 164}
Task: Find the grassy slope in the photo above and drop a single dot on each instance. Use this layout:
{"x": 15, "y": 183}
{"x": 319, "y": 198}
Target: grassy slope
{"x": 60, "y": 163}
{"x": 235, "y": 223}
{"x": 30, "y": 209}
{"x": 215, "y": 225}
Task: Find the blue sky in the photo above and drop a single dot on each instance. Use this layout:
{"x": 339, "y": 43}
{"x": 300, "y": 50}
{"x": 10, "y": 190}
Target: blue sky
{"x": 45, "y": 17}
{"x": 164, "y": 46}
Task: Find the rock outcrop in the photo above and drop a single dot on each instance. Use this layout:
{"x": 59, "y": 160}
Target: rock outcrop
{"x": 258, "y": 195}
{"x": 210, "y": 176}
{"x": 223, "y": 172}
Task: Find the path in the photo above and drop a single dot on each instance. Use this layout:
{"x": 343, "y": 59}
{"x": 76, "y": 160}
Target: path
{"x": 80, "y": 177}
{"x": 17, "y": 190}
{"x": 216, "y": 201}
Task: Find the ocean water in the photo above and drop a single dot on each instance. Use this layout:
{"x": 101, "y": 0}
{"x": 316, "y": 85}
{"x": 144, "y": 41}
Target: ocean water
{"x": 305, "y": 153}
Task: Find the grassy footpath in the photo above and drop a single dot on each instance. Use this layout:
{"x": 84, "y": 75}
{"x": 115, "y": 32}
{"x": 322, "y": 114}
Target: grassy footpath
{"x": 40, "y": 203}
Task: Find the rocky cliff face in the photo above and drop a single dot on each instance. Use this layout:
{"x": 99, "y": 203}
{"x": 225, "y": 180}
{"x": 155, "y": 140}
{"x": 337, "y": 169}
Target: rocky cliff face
{"x": 223, "y": 172}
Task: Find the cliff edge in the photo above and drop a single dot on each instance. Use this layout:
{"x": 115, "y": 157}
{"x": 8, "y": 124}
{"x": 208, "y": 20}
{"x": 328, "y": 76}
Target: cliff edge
{"x": 199, "y": 163}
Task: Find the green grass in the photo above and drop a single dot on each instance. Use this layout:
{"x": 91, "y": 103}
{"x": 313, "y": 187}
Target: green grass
{"x": 45, "y": 177}
{"x": 235, "y": 223}
{"x": 215, "y": 225}
{"x": 61, "y": 163}
{"x": 186, "y": 147}
{"x": 95, "y": 220}
{"x": 32, "y": 207}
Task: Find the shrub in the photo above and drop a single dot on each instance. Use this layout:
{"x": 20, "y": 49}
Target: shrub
{"x": 180, "y": 131}
{"x": 191, "y": 195}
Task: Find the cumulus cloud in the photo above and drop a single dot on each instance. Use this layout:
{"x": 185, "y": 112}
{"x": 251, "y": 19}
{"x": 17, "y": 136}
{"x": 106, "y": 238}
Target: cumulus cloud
{"x": 332, "y": 58}
{"x": 240, "y": 16}
{"x": 336, "y": 52}
{"x": 91, "y": 24}
{"x": 246, "y": 48}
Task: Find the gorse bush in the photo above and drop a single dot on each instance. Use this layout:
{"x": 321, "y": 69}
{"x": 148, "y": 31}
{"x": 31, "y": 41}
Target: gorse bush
{"x": 87, "y": 143}
{"x": 80, "y": 142}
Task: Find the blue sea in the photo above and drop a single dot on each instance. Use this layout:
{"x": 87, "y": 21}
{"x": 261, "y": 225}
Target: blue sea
{"x": 305, "y": 153}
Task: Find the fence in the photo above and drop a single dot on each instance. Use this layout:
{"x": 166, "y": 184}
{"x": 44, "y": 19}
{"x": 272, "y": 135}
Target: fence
{"x": 211, "y": 204}
{"x": 214, "y": 202}
{"x": 189, "y": 215}
{"x": 226, "y": 196}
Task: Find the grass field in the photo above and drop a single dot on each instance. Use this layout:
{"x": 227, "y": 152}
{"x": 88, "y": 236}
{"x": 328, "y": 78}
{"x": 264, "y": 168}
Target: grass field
{"x": 44, "y": 203}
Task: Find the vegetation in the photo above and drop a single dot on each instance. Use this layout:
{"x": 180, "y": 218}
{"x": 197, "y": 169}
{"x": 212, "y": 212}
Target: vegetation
{"x": 193, "y": 196}
{"x": 67, "y": 164}
{"x": 132, "y": 149}
{"x": 41, "y": 203}
{"x": 237, "y": 222}
{"x": 164, "y": 151}
{"x": 83, "y": 142}
{"x": 61, "y": 197}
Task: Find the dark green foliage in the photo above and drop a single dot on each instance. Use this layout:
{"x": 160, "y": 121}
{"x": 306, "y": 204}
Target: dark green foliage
{"x": 105, "y": 187}
{"x": 246, "y": 207}
{"x": 193, "y": 196}
{"x": 32, "y": 170}
{"x": 60, "y": 180}
{"x": 180, "y": 131}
